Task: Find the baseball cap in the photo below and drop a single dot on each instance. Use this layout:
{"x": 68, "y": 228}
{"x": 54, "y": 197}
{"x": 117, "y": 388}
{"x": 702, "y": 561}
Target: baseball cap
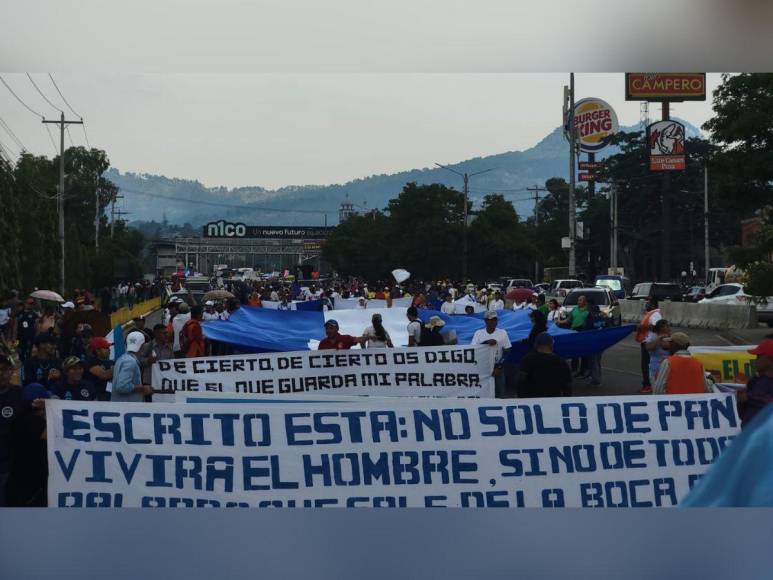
{"x": 680, "y": 339}
{"x": 35, "y": 391}
{"x": 543, "y": 339}
{"x": 99, "y": 342}
{"x": 765, "y": 348}
{"x": 70, "y": 362}
{"x": 209, "y": 303}
{"x": 331, "y": 322}
{"x": 134, "y": 341}
{"x": 68, "y": 304}
{"x": 29, "y": 301}
{"x": 490, "y": 315}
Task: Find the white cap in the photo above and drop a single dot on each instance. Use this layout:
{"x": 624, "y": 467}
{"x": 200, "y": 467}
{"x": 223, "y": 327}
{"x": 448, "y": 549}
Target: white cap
{"x": 209, "y": 303}
{"x": 68, "y": 304}
{"x": 134, "y": 341}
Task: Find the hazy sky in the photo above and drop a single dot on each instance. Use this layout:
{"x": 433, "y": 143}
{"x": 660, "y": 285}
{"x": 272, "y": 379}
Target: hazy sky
{"x": 294, "y": 129}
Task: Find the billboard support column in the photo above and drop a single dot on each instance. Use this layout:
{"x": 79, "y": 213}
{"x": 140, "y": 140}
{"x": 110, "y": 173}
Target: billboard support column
{"x": 665, "y": 216}
{"x": 572, "y": 172}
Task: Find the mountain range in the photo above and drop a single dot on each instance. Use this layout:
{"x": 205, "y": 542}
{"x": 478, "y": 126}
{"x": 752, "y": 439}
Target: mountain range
{"x": 179, "y": 201}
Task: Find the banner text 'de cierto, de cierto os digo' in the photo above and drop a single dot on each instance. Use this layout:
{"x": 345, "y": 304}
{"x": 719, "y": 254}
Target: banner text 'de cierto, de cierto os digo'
{"x": 580, "y": 452}
{"x": 437, "y": 371}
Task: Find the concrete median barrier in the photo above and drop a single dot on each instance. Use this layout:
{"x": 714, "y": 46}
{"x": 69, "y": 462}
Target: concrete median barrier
{"x": 691, "y": 315}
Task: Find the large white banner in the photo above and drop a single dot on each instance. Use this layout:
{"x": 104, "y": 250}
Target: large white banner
{"x": 443, "y": 371}
{"x": 576, "y": 452}
{"x": 354, "y": 303}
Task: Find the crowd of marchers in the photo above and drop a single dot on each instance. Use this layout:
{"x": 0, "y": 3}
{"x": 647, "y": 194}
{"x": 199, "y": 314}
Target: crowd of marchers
{"x": 41, "y": 360}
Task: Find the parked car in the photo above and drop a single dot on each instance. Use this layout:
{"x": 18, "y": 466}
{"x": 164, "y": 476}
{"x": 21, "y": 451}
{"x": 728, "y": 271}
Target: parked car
{"x": 620, "y": 285}
{"x": 660, "y": 290}
{"x": 519, "y": 283}
{"x": 604, "y": 298}
{"x": 736, "y": 294}
{"x": 560, "y": 288}
{"x": 694, "y": 294}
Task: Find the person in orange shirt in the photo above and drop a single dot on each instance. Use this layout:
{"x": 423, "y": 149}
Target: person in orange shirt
{"x": 680, "y": 373}
{"x": 192, "y": 335}
{"x": 254, "y": 300}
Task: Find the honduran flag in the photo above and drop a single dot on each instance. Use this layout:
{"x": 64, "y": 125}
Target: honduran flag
{"x": 263, "y": 330}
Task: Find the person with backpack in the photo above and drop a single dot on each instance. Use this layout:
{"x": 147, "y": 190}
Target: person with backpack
{"x": 192, "y": 335}
{"x": 431, "y": 332}
{"x": 414, "y": 326}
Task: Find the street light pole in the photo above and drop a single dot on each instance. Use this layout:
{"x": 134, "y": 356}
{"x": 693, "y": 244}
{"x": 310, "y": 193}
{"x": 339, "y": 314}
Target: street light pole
{"x": 466, "y": 177}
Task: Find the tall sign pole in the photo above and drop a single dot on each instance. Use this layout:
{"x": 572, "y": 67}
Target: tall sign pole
{"x": 665, "y": 138}
{"x": 572, "y": 208}
{"x": 60, "y": 196}
{"x": 706, "y": 251}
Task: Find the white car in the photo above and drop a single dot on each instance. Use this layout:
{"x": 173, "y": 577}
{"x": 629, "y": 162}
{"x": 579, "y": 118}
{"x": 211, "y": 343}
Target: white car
{"x": 736, "y": 294}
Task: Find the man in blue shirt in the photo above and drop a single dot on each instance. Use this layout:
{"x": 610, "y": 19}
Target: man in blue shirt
{"x": 72, "y": 387}
{"x": 127, "y": 373}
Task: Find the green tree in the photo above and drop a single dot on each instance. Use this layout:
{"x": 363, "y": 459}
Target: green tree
{"x": 426, "y": 230}
{"x": 498, "y": 241}
{"x": 360, "y": 246}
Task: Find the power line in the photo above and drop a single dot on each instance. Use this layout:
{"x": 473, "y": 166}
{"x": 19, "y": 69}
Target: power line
{"x": 6, "y": 151}
{"x": 63, "y": 99}
{"x": 67, "y": 130}
{"x": 83, "y": 126}
{"x": 11, "y": 133}
{"x": 226, "y": 205}
{"x": 25, "y": 105}
{"x": 45, "y": 98}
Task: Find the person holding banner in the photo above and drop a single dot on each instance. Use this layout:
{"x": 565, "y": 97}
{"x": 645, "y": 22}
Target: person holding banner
{"x": 376, "y": 336}
{"x": 336, "y": 341}
{"x": 680, "y": 373}
{"x": 414, "y": 326}
{"x": 497, "y": 339}
{"x": 127, "y": 374}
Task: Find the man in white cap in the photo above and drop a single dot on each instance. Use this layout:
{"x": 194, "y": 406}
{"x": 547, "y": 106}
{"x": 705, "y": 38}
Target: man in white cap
{"x": 127, "y": 373}
{"x": 209, "y": 311}
{"x": 498, "y": 340}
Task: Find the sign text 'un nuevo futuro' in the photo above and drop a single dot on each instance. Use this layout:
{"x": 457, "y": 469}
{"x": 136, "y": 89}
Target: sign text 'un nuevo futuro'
{"x": 576, "y": 452}
{"x": 224, "y": 229}
{"x": 436, "y": 371}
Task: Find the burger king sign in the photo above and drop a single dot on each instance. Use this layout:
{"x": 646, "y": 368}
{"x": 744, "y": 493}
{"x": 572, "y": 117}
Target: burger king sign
{"x": 595, "y": 122}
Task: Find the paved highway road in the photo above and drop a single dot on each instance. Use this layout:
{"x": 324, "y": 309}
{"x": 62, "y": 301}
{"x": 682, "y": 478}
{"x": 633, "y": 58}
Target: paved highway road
{"x": 621, "y": 363}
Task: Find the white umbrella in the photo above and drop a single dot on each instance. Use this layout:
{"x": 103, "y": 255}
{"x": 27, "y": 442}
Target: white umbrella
{"x": 401, "y": 275}
{"x": 49, "y": 295}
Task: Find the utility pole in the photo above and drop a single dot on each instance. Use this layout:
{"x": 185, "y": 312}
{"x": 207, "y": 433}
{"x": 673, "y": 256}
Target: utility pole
{"x": 572, "y": 209}
{"x": 706, "y": 250}
{"x": 96, "y": 218}
{"x": 665, "y": 216}
{"x": 613, "y": 224}
{"x": 112, "y": 215}
{"x": 62, "y": 122}
{"x": 466, "y": 177}
{"x": 536, "y": 189}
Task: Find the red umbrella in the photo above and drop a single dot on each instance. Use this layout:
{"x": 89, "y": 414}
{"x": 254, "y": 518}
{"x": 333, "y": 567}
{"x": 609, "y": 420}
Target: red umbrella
{"x": 520, "y": 294}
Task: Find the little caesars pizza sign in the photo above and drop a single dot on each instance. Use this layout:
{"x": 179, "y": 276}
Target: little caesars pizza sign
{"x": 224, "y": 229}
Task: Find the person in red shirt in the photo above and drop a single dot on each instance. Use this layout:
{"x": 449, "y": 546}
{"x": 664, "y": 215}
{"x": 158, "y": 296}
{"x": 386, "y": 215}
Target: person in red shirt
{"x": 192, "y": 335}
{"x": 335, "y": 341}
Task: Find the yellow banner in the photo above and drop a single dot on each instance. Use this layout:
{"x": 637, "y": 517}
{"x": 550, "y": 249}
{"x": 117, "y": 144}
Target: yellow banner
{"x": 124, "y": 314}
{"x": 731, "y": 366}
